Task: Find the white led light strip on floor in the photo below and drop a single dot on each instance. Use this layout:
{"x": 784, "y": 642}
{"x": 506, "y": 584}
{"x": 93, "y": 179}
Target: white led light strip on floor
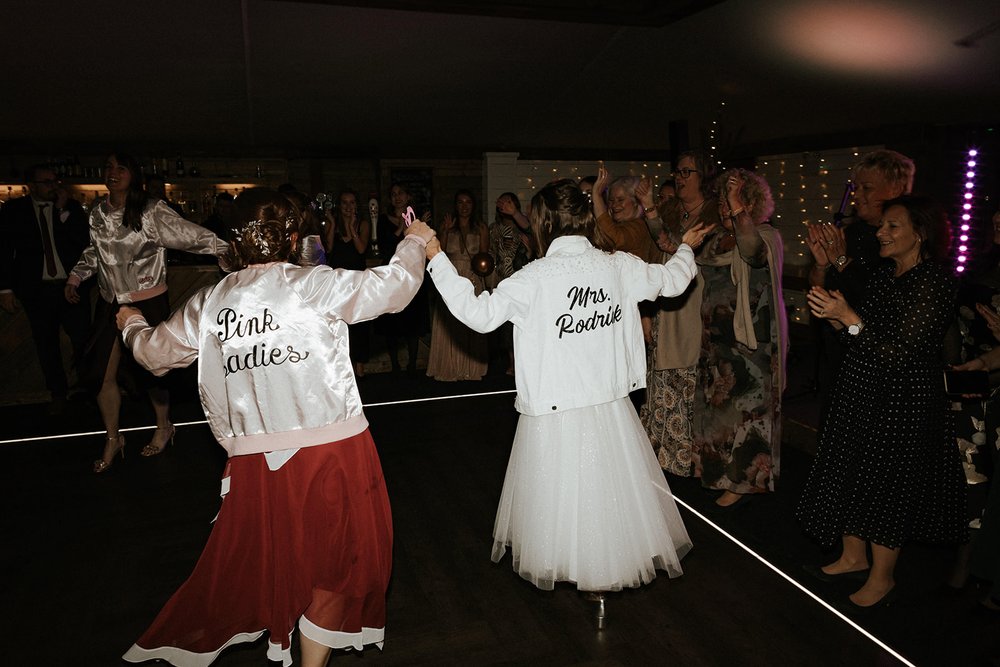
{"x": 799, "y": 586}
{"x": 750, "y": 551}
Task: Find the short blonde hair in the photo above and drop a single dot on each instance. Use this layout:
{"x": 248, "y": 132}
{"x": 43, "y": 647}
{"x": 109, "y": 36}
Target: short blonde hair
{"x": 895, "y": 167}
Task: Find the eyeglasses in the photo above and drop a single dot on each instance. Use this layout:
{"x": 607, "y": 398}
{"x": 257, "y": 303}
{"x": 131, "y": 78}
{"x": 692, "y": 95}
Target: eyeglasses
{"x": 683, "y": 173}
{"x": 47, "y": 181}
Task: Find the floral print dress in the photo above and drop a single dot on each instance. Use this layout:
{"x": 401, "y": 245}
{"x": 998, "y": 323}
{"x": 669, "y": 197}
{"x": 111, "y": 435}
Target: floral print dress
{"x": 736, "y": 425}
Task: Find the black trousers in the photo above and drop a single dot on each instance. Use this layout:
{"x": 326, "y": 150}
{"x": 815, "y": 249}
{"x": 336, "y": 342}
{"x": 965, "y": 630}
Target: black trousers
{"x": 48, "y": 311}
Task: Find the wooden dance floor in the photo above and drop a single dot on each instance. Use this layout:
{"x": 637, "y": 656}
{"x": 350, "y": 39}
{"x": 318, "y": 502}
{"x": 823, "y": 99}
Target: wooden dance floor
{"x": 89, "y": 559}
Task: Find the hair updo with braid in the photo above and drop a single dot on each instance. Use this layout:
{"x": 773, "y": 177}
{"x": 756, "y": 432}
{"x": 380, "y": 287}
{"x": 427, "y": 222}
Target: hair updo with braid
{"x": 561, "y": 209}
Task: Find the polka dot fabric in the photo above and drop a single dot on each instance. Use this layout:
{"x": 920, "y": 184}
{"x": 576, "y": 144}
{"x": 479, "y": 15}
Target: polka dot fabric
{"x": 887, "y": 469}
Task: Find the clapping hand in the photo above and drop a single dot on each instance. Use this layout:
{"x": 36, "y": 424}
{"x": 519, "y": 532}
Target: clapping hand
{"x": 833, "y": 241}
{"x": 644, "y": 193}
{"x": 817, "y": 246}
{"x": 603, "y": 179}
{"x": 447, "y": 223}
{"x": 829, "y": 305}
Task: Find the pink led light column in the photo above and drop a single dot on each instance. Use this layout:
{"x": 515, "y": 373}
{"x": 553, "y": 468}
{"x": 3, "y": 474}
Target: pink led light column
{"x": 967, "y": 199}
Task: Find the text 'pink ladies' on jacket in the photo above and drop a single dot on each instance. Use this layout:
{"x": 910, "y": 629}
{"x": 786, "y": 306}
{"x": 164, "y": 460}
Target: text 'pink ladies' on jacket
{"x": 274, "y": 368}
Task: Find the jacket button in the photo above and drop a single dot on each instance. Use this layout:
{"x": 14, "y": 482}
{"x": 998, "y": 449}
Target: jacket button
{"x": 554, "y": 407}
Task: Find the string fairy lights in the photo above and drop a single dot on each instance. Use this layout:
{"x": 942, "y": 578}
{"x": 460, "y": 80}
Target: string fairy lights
{"x": 801, "y": 184}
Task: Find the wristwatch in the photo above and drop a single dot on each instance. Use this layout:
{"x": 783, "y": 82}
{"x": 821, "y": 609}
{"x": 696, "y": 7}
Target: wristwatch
{"x": 841, "y": 261}
{"x": 855, "y": 329}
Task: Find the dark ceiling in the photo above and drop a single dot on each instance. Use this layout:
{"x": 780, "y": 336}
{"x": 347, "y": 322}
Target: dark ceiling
{"x": 324, "y": 78}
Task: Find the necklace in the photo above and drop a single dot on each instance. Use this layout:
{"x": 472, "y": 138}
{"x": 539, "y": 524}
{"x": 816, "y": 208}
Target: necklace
{"x": 687, "y": 213}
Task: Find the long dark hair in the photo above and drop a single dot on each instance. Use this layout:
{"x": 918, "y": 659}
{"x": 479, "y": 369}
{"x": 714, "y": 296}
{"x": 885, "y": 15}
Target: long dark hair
{"x": 341, "y": 224}
{"x": 403, "y": 187}
{"x": 517, "y": 204}
{"x": 136, "y": 197}
{"x": 475, "y": 222}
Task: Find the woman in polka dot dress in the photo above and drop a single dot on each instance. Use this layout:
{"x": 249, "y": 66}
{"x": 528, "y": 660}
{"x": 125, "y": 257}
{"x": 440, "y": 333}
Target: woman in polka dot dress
{"x": 887, "y": 470}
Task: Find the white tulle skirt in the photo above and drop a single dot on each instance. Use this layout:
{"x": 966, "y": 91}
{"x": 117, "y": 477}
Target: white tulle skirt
{"x": 585, "y": 501}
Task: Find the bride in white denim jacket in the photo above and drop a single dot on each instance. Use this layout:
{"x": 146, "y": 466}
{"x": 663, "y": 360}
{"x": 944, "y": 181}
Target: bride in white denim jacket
{"x": 584, "y": 499}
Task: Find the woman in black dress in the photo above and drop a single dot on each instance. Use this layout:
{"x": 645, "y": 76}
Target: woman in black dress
{"x": 347, "y": 240}
{"x": 413, "y": 321}
{"x": 887, "y": 470}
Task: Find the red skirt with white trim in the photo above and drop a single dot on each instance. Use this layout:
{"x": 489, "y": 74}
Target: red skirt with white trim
{"x": 308, "y": 543}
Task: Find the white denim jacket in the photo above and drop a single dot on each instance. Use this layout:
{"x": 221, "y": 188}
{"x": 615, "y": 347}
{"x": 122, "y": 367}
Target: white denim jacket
{"x": 274, "y": 368}
{"x": 577, "y": 335}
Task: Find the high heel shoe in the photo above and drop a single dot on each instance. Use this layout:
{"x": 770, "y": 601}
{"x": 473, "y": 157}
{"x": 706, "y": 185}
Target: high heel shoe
{"x": 151, "y": 449}
{"x": 102, "y": 464}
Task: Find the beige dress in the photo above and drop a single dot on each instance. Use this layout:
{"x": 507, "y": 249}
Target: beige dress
{"x": 458, "y": 352}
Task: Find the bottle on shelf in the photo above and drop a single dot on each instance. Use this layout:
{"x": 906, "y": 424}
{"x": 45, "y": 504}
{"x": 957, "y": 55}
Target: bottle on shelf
{"x": 179, "y": 168}
{"x": 164, "y": 168}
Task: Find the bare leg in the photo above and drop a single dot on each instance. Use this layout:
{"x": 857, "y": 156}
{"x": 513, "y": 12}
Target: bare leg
{"x": 109, "y": 402}
{"x": 314, "y": 654}
{"x": 853, "y": 557}
{"x": 160, "y": 398}
{"x": 880, "y": 579}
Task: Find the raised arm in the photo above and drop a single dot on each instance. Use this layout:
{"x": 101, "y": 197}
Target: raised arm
{"x": 597, "y": 192}
{"x": 482, "y": 313}
{"x": 176, "y": 233}
{"x": 357, "y": 296}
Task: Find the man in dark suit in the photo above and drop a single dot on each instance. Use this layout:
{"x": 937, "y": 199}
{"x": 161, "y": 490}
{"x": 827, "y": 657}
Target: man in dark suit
{"x": 41, "y": 238}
